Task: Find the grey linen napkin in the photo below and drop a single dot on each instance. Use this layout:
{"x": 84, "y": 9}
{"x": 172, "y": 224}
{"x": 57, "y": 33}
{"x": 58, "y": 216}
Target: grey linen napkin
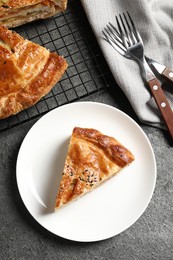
{"x": 154, "y": 20}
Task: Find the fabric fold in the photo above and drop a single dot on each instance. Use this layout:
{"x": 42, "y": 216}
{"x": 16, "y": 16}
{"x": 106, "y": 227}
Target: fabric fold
{"x": 154, "y": 21}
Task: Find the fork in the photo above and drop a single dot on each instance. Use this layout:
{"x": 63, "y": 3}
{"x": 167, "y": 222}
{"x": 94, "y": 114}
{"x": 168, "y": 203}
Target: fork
{"x": 127, "y": 41}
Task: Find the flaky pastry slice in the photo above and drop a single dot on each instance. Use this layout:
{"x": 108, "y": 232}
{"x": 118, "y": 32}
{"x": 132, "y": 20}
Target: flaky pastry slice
{"x": 17, "y": 12}
{"x": 92, "y": 159}
{"x": 28, "y": 72}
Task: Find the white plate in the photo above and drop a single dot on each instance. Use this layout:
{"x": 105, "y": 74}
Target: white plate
{"x": 108, "y": 210}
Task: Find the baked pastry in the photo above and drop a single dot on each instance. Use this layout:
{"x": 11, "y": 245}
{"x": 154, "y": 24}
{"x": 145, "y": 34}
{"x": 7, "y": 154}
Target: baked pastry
{"x": 17, "y": 12}
{"x": 28, "y": 71}
{"x": 92, "y": 159}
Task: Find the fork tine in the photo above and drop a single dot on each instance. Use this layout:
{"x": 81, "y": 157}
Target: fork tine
{"x": 108, "y": 32}
{"x": 114, "y": 28}
{"x": 105, "y": 35}
{"x": 132, "y": 36}
{"x": 115, "y": 33}
{"x": 123, "y": 24}
{"x": 136, "y": 33}
{"x": 128, "y": 40}
{"x": 123, "y": 31}
{"x": 111, "y": 32}
{"x": 119, "y": 26}
{"x": 111, "y": 36}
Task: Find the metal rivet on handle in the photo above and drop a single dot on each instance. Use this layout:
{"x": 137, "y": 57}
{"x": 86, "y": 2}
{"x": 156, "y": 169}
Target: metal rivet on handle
{"x": 163, "y": 104}
{"x": 171, "y": 74}
{"x": 155, "y": 87}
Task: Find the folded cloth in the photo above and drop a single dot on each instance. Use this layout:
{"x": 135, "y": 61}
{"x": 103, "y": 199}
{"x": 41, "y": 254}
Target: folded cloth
{"x": 154, "y": 21}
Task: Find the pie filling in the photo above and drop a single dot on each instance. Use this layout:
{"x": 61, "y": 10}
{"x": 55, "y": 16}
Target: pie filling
{"x": 28, "y": 13}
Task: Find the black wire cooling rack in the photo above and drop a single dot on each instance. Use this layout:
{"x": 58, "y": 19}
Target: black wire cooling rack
{"x": 70, "y": 35}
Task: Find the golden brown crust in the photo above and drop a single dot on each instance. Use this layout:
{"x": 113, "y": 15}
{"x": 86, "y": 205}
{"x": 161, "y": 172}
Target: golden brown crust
{"x": 17, "y": 12}
{"x": 114, "y": 149}
{"x": 92, "y": 159}
{"x": 28, "y": 72}
{"x": 11, "y": 4}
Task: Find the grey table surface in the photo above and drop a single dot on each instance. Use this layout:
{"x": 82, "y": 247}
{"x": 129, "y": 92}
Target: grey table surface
{"x": 151, "y": 237}
{"x": 21, "y": 237}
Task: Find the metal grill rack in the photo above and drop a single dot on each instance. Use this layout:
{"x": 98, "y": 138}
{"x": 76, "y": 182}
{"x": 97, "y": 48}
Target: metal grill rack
{"x": 70, "y": 35}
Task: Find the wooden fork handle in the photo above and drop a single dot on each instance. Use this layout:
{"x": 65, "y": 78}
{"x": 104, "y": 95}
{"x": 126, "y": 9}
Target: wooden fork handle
{"x": 162, "y": 103}
{"x": 168, "y": 74}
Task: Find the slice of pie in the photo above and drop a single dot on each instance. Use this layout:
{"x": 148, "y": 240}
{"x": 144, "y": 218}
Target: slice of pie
{"x": 92, "y": 159}
{"x": 17, "y": 12}
{"x": 28, "y": 72}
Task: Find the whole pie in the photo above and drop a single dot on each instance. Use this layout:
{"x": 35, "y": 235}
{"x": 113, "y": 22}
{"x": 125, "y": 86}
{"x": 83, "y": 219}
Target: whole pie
{"x": 17, "y": 12}
{"x": 92, "y": 159}
{"x": 28, "y": 72}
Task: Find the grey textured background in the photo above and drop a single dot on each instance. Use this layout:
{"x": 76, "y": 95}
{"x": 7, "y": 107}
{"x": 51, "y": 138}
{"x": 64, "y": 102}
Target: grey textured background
{"x": 21, "y": 237}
